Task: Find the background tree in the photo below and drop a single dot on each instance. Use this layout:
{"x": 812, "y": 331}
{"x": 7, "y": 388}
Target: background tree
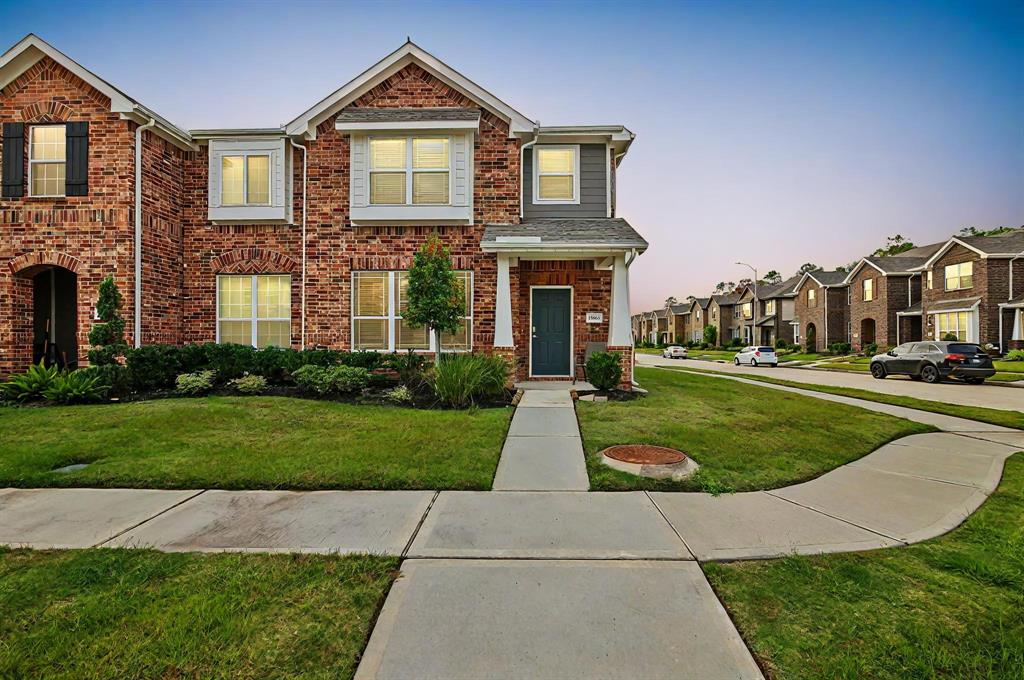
{"x": 671, "y": 300}
{"x": 772, "y": 277}
{"x": 710, "y": 335}
{"x": 743, "y": 284}
{"x": 720, "y": 288}
{"x": 974, "y": 231}
{"x": 690, "y": 298}
{"x": 435, "y": 295}
{"x": 894, "y": 245}
{"x": 807, "y": 267}
{"x": 107, "y": 336}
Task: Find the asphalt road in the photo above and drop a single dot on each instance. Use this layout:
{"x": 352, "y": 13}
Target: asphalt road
{"x": 988, "y": 396}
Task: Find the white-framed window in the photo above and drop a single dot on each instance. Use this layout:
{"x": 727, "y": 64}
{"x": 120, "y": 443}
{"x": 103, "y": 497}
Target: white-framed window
{"x": 812, "y": 297}
{"x": 254, "y": 309}
{"x": 245, "y": 179}
{"x": 378, "y": 300}
{"x": 748, "y": 310}
{"x": 410, "y": 170}
{"x": 957, "y": 323}
{"x": 556, "y": 174}
{"x": 796, "y": 333}
{"x": 929, "y": 279}
{"x": 47, "y": 160}
{"x": 959, "y": 276}
{"x": 868, "y": 289}
{"x": 714, "y": 313}
{"x": 769, "y": 307}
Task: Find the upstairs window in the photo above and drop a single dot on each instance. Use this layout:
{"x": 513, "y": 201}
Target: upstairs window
{"x": 245, "y": 180}
{"x": 868, "y": 290}
{"x": 959, "y": 276}
{"x": 748, "y": 310}
{"x": 556, "y": 176}
{"x": 929, "y": 279}
{"x": 47, "y": 160}
{"x": 410, "y": 171}
{"x": 254, "y": 310}
{"x": 769, "y": 307}
{"x": 812, "y": 297}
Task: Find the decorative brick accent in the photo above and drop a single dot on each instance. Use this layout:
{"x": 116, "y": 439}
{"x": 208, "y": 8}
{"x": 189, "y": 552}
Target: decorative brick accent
{"x": 46, "y": 111}
{"x": 253, "y": 261}
{"x": 29, "y": 261}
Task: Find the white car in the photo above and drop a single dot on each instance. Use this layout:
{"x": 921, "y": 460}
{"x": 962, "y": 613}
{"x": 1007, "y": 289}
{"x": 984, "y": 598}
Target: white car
{"x": 674, "y": 352}
{"x": 756, "y": 356}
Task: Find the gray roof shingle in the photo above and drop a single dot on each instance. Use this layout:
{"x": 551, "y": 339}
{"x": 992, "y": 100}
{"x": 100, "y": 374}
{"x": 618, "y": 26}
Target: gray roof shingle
{"x": 613, "y": 231}
{"x": 1010, "y": 242}
{"x": 832, "y": 278}
{"x": 369, "y": 114}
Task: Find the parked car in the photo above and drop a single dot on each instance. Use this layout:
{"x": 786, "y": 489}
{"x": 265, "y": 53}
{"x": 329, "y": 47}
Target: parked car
{"x": 674, "y": 352}
{"x": 932, "y": 361}
{"x": 756, "y": 356}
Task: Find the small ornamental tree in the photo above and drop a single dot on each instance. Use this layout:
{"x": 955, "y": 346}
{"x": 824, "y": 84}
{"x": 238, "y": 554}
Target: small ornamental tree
{"x": 435, "y": 295}
{"x": 710, "y": 335}
{"x": 107, "y": 337}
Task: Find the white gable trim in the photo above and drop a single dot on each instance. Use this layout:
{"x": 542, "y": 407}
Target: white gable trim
{"x": 409, "y": 53}
{"x": 945, "y": 248}
{"x": 32, "y": 48}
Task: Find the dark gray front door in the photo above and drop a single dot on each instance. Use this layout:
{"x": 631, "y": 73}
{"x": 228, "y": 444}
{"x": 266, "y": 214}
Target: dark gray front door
{"x": 552, "y": 337}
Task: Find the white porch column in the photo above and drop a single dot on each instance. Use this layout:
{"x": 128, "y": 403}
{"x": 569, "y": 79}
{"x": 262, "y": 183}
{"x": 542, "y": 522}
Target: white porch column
{"x": 503, "y": 306}
{"x": 618, "y": 329}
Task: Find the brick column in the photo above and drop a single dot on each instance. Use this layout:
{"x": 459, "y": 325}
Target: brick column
{"x": 626, "y": 360}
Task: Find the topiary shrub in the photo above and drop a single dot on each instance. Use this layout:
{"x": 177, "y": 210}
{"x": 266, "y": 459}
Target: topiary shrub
{"x": 460, "y": 380}
{"x": 195, "y": 384}
{"x": 107, "y": 337}
{"x": 604, "y": 370}
{"x": 249, "y": 384}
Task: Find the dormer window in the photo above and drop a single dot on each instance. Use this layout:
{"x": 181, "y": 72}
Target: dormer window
{"x": 245, "y": 180}
{"x": 556, "y": 176}
{"x": 47, "y": 160}
{"x": 410, "y": 171}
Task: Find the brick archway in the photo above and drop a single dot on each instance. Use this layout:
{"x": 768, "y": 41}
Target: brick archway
{"x": 27, "y": 263}
{"x": 46, "y": 112}
{"x": 253, "y": 261}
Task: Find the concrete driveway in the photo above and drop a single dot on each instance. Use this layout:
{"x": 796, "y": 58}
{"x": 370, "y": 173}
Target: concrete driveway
{"x": 988, "y": 396}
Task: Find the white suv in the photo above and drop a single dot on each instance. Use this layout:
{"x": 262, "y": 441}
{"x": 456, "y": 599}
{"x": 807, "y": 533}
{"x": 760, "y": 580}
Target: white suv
{"x": 756, "y": 356}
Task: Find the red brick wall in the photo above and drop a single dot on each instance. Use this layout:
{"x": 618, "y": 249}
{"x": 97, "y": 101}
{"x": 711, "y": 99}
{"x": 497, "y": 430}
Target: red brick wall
{"x": 838, "y": 314}
{"x": 991, "y": 283}
{"x": 89, "y": 234}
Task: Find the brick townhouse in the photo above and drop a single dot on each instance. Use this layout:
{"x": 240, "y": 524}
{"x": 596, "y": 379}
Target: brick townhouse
{"x": 822, "y": 308}
{"x": 300, "y": 235}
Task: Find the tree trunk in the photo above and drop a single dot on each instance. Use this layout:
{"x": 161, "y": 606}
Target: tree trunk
{"x": 437, "y": 344}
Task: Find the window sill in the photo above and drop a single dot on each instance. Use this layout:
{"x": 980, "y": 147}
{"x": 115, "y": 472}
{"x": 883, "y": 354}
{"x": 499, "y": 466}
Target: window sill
{"x": 249, "y": 214}
{"x": 411, "y": 213}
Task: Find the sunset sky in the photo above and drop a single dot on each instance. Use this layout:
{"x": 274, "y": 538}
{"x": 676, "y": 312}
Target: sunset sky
{"x": 774, "y": 133}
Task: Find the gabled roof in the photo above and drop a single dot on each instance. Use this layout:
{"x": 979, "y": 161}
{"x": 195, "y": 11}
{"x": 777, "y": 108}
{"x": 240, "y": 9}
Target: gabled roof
{"x": 1010, "y": 244}
{"x": 589, "y": 233}
{"x": 893, "y": 264}
{"x": 660, "y": 313}
{"x": 829, "y": 279}
{"x": 680, "y": 310}
{"x": 409, "y": 53}
{"x": 30, "y": 49}
{"x": 701, "y": 302}
{"x": 727, "y": 299}
{"x": 786, "y": 288}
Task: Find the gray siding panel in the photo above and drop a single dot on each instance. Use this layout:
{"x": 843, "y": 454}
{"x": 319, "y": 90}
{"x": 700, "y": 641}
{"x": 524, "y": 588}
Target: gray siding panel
{"x": 593, "y": 187}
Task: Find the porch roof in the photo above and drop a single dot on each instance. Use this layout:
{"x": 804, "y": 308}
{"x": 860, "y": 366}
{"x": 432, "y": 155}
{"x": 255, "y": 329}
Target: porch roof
{"x": 912, "y": 310}
{"x": 767, "y": 321}
{"x": 612, "y": 233}
{"x": 953, "y": 305}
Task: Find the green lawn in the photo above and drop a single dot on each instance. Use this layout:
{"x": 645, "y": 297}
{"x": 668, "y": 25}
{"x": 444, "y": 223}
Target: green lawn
{"x": 143, "y": 614}
{"x": 952, "y": 607}
{"x": 251, "y": 443}
{"x": 994, "y": 416}
{"x": 743, "y": 437}
{"x": 1010, "y": 367}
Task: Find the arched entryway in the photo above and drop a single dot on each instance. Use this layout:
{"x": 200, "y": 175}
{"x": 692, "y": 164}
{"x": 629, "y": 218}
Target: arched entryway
{"x": 811, "y": 337}
{"x": 867, "y": 331}
{"x": 45, "y": 311}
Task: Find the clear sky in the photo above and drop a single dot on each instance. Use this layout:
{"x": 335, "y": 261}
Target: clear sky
{"x": 774, "y": 133}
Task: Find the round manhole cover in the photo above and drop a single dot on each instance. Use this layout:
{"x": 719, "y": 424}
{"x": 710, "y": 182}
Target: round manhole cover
{"x": 644, "y": 454}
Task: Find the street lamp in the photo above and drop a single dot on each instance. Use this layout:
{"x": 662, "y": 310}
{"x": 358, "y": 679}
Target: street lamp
{"x": 754, "y": 303}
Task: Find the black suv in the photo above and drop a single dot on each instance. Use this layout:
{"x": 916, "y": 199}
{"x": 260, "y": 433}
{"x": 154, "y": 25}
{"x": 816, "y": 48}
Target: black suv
{"x": 932, "y": 361}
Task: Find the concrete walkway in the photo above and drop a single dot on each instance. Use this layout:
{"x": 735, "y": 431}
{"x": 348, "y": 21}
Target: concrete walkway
{"x": 553, "y": 583}
{"x": 543, "y": 450}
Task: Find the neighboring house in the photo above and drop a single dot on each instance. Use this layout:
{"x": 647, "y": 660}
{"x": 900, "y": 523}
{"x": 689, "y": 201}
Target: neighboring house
{"x": 661, "y": 333}
{"x": 301, "y": 235}
{"x": 776, "y": 305}
{"x": 744, "y": 313}
{"x": 698, "y": 318}
{"x": 678, "y": 323}
{"x": 822, "y": 309}
{"x": 636, "y": 326}
{"x": 885, "y": 298}
{"x": 970, "y": 292}
{"x": 723, "y": 316}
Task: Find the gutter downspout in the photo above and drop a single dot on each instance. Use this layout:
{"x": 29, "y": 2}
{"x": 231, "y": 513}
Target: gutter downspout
{"x": 138, "y": 230}
{"x": 825, "y": 289}
{"x": 302, "y": 314}
{"x": 522, "y": 164}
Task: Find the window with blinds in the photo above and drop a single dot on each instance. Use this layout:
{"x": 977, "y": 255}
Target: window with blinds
{"x": 379, "y": 301}
{"x": 254, "y": 309}
{"x": 245, "y": 180}
{"x": 959, "y": 276}
{"x": 868, "y": 290}
{"x": 953, "y": 323}
{"x": 410, "y": 171}
{"x": 556, "y": 174}
{"x": 47, "y": 160}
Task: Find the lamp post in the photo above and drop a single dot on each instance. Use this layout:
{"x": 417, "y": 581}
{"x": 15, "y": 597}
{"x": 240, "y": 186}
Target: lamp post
{"x": 753, "y": 329}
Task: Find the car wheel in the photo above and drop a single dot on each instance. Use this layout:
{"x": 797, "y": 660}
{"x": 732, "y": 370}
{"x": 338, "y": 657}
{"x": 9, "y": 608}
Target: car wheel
{"x": 878, "y": 371}
{"x": 753, "y": 362}
{"x": 930, "y": 375}
{"x": 974, "y": 381}
{"x": 736, "y": 361}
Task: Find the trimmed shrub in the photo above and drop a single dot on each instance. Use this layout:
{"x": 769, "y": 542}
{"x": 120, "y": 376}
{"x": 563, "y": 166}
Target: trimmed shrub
{"x": 107, "y": 337}
{"x": 781, "y": 343}
{"x": 249, "y": 384}
{"x": 1014, "y": 355}
{"x": 195, "y": 384}
{"x": 710, "y": 335}
{"x": 839, "y": 348}
{"x": 604, "y": 370}
{"x": 313, "y": 379}
{"x": 76, "y": 387}
{"x": 736, "y": 342}
{"x": 30, "y": 385}
{"x": 950, "y": 337}
{"x": 349, "y": 378}
{"x": 322, "y": 380}
{"x": 153, "y": 367}
{"x": 461, "y": 380}
{"x": 399, "y": 395}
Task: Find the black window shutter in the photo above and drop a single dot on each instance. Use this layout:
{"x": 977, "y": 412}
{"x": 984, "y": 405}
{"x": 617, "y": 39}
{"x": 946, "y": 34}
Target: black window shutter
{"x": 76, "y": 178}
{"x": 14, "y": 160}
